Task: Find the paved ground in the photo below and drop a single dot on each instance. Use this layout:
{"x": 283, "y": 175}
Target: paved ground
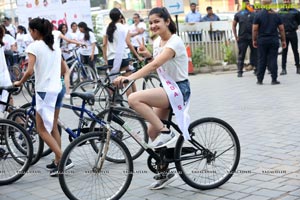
{"x": 266, "y": 119}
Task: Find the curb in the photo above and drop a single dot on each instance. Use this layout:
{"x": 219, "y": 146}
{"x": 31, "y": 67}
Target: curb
{"x": 212, "y": 69}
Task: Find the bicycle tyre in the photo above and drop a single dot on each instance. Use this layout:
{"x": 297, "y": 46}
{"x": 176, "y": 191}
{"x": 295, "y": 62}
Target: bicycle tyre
{"x": 204, "y": 172}
{"x": 84, "y": 176}
{"x": 19, "y": 115}
{"x": 101, "y": 97}
{"x": 30, "y": 86}
{"x": 16, "y": 75}
{"x": 137, "y": 124}
{"x": 14, "y": 164}
{"x": 87, "y": 73}
{"x": 151, "y": 81}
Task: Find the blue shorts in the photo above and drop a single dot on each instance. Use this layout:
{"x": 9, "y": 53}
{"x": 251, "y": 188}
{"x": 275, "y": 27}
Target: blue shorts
{"x": 59, "y": 100}
{"x": 185, "y": 89}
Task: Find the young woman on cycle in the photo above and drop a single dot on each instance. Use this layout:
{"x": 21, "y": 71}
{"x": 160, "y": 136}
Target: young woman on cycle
{"x": 171, "y": 62}
{"x": 115, "y": 42}
{"x": 44, "y": 60}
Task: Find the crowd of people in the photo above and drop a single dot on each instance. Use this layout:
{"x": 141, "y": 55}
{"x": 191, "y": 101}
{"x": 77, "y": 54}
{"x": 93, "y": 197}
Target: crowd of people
{"x": 261, "y": 30}
{"x": 46, "y": 52}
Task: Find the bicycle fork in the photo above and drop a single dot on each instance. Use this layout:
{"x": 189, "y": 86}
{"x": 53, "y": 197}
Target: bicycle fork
{"x": 101, "y": 156}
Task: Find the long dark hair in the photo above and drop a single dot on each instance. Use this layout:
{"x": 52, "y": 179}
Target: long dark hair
{"x": 44, "y": 27}
{"x": 86, "y": 30}
{"x": 2, "y": 33}
{"x": 23, "y": 29}
{"x": 60, "y": 27}
{"x": 115, "y": 14}
{"x": 162, "y": 12}
{"x": 5, "y": 30}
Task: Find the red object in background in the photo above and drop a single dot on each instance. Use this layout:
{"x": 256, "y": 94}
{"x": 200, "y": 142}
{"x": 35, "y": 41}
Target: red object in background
{"x": 159, "y": 3}
{"x": 231, "y": 4}
{"x": 189, "y": 54}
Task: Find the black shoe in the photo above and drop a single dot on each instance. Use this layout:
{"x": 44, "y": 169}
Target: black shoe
{"x": 51, "y": 165}
{"x": 259, "y": 82}
{"x": 283, "y": 72}
{"x": 240, "y": 75}
{"x": 298, "y": 70}
{"x": 275, "y": 82}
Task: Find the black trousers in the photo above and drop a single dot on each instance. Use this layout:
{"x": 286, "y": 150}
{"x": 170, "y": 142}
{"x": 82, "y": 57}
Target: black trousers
{"x": 267, "y": 56}
{"x": 87, "y": 60}
{"x": 292, "y": 38}
{"x": 196, "y": 36}
{"x": 243, "y": 46}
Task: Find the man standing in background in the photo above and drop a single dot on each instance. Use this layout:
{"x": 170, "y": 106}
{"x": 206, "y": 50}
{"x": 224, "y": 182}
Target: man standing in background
{"x": 291, "y": 20}
{"x": 244, "y": 37}
{"x": 265, "y": 38}
{"x": 192, "y": 17}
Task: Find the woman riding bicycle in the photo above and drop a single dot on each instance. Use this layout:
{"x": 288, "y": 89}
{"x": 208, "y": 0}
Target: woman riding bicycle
{"x": 171, "y": 62}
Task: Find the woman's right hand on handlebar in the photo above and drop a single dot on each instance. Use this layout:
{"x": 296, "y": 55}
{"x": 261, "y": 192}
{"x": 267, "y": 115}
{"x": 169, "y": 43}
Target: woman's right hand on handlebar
{"x": 120, "y": 80}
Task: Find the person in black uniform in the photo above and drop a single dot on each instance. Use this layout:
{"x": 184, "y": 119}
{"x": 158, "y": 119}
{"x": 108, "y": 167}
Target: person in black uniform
{"x": 265, "y": 38}
{"x": 244, "y": 38}
{"x": 291, "y": 20}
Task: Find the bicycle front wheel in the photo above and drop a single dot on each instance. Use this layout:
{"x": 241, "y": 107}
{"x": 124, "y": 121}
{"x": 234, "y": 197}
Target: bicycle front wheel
{"x": 210, "y": 157}
{"x": 14, "y": 162}
{"x": 87, "y": 180}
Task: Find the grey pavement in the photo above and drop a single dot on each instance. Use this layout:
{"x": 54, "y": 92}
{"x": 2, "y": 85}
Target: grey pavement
{"x": 266, "y": 119}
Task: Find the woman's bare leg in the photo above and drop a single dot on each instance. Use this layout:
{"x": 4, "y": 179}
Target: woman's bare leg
{"x": 49, "y": 139}
{"x": 143, "y": 101}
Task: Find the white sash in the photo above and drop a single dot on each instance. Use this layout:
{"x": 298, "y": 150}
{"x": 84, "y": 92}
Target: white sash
{"x": 46, "y": 108}
{"x": 119, "y": 53}
{"x": 176, "y": 100}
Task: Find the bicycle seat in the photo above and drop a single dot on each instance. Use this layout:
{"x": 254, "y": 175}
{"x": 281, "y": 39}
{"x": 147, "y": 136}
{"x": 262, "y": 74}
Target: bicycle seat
{"x": 88, "y": 97}
{"x": 9, "y": 89}
{"x": 104, "y": 67}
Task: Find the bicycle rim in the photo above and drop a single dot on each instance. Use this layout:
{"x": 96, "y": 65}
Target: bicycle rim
{"x": 213, "y": 165}
{"x": 13, "y": 162}
{"x": 110, "y": 183}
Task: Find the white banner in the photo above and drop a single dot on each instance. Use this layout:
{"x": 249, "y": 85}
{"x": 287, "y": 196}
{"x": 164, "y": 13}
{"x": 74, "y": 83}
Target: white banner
{"x": 57, "y": 11}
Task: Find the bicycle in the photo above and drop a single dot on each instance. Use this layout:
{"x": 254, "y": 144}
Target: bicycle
{"x": 206, "y": 161}
{"x": 103, "y": 94}
{"x": 16, "y": 152}
{"x": 28, "y": 121}
{"x": 79, "y": 71}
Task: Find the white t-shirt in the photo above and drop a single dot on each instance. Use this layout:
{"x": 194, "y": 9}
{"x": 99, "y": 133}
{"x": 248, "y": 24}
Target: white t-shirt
{"x": 87, "y": 51}
{"x": 56, "y": 34}
{"x": 47, "y": 69}
{"x": 73, "y": 36}
{"x": 8, "y": 41}
{"x": 12, "y": 29}
{"x": 65, "y": 46}
{"x": 28, "y": 39}
{"x": 20, "y": 42}
{"x": 177, "y": 67}
{"x": 133, "y": 29}
{"x": 4, "y": 77}
{"x": 112, "y": 46}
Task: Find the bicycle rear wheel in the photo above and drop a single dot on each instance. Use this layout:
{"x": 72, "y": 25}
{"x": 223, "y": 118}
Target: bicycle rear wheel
{"x": 122, "y": 116}
{"x": 16, "y": 75}
{"x": 86, "y": 181}
{"x": 212, "y": 155}
{"x": 13, "y": 162}
{"x": 101, "y": 96}
{"x": 151, "y": 81}
{"x": 29, "y": 124}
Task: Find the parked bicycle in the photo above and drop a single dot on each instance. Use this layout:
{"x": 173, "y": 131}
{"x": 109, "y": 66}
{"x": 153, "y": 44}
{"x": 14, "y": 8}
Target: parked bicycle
{"x": 206, "y": 161}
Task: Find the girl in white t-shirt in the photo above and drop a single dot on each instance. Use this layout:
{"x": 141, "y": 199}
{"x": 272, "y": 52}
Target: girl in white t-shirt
{"x": 4, "y": 74}
{"x": 171, "y": 61}
{"x": 10, "y": 46}
{"x": 44, "y": 60}
{"x": 20, "y": 38}
{"x": 90, "y": 52}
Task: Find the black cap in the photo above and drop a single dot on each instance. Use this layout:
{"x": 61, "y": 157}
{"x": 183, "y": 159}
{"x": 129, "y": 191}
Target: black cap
{"x": 245, "y": 0}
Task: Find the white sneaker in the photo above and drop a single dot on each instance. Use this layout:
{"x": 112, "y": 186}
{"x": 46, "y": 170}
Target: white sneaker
{"x": 159, "y": 184}
{"x": 67, "y": 96}
{"x": 163, "y": 140}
